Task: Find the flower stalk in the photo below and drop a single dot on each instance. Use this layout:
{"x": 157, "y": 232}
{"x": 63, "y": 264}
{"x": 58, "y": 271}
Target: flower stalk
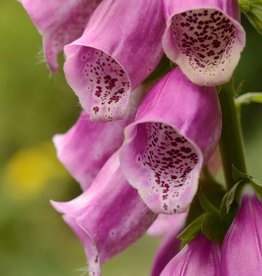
{"x": 231, "y": 143}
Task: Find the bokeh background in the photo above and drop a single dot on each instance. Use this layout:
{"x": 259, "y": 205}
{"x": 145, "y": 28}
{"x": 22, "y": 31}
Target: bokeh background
{"x": 34, "y": 105}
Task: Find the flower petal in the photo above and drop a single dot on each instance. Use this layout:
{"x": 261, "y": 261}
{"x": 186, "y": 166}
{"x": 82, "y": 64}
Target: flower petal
{"x": 119, "y": 48}
{"x": 176, "y": 130}
{"x": 199, "y": 257}
{"x": 85, "y": 148}
{"x": 109, "y": 216}
{"x": 242, "y": 246}
{"x": 59, "y": 22}
{"x": 204, "y": 38}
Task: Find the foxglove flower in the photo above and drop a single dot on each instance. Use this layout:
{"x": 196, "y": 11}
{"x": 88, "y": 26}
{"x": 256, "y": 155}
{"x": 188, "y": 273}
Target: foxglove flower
{"x": 85, "y": 148}
{"x": 242, "y": 246}
{"x": 199, "y": 257}
{"x": 176, "y": 130}
{"x": 205, "y": 38}
{"x": 119, "y": 48}
{"x": 59, "y": 22}
{"x": 108, "y": 217}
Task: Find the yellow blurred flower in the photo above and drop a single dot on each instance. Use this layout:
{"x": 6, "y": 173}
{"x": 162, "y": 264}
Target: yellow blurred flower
{"x": 29, "y": 170}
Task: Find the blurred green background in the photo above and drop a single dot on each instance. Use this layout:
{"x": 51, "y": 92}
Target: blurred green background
{"x": 35, "y": 105}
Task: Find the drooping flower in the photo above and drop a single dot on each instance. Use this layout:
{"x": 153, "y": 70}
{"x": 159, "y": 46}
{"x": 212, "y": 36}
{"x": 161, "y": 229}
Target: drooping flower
{"x": 85, "y": 148}
{"x": 199, "y": 257}
{"x": 176, "y": 130}
{"x": 120, "y": 47}
{"x": 59, "y": 22}
{"x": 205, "y": 38}
{"x": 242, "y": 246}
{"x": 108, "y": 217}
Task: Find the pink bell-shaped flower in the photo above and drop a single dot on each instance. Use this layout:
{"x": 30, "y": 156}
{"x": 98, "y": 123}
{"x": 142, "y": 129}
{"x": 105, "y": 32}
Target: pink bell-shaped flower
{"x": 120, "y": 47}
{"x": 175, "y": 132}
{"x": 205, "y": 38}
{"x": 108, "y": 217}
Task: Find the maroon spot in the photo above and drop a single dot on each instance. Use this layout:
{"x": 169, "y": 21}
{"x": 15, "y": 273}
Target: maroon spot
{"x": 106, "y": 81}
{"x": 210, "y": 45}
{"x": 168, "y": 157}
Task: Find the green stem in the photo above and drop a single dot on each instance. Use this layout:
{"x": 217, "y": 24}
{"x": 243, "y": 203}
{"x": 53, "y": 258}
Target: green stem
{"x": 231, "y": 143}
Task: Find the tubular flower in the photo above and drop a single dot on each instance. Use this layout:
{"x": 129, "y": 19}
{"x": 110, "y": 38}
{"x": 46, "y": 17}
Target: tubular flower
{"x": 85, "y": 148}
{"x": 199, "y": 257}
{"x": 242, "y": 246}
{"x": 176, "y": 130}
{"x": 119, "y": 48}
{"x": 205, "y": 38}
{"x": 59, "y": 22}
{"x": 108, "y": 217}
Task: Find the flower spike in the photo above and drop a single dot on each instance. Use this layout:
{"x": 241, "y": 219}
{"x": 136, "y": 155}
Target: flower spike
{"x": 119, "y": 48}
{"x": 59, "y": 22}
{"x": 176, "y": 130}
{"x": 205, "y": 38}
{"x": 108, "y": 217}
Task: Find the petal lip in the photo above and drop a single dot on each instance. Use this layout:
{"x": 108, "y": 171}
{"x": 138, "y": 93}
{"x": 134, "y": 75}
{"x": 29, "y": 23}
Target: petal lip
{"x": 87, "y": 101}
{"x": 134, "y": 179}
{"x": 214, "y": 76}
{"x": 115, "y": 53}
{"x": 198, "y": 107}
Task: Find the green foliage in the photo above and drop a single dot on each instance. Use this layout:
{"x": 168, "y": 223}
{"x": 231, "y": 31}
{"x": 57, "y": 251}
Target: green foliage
{"x": 191, "y": 231}
{"x": 247, "y": 98}
{"x": 253, "y": 11}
